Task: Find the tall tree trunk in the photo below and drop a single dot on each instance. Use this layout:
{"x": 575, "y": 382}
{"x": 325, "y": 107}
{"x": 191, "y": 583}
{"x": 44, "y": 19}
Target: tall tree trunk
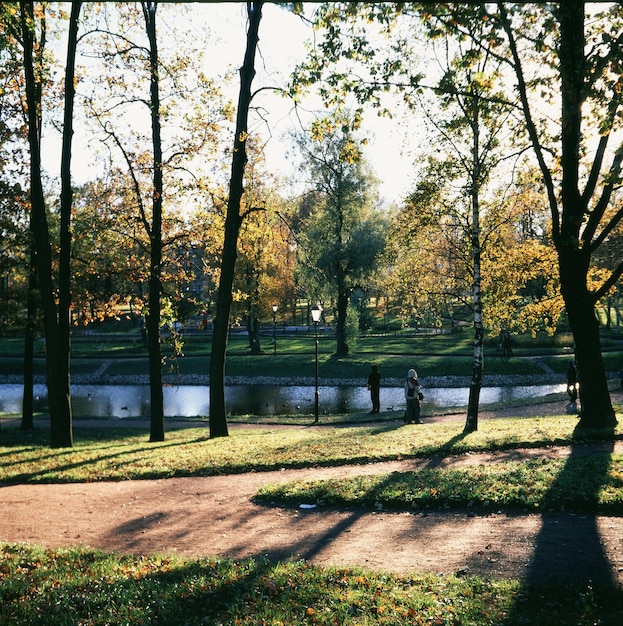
{"x": 27, "y": 422}
{"x": 596, "y": 406}
{"x": 341, "y": 319}
{"x": 64, "y": 274}
{"x": 574, "y": 254}
{"x": 58, "y": 398}
{"x": 218, "y": 413}
{"x": 471, "y": 422}
{"x": 253, "y": 330}
{"x": 155, "y": 266}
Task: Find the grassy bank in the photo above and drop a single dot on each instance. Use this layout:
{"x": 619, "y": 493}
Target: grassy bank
{"x": 77, "y": 586}
{"x": 61, "y": 587}
{"x": 584, "y": 485}
{"x": 432, "y": 355}
{"x": 106, "y": 453}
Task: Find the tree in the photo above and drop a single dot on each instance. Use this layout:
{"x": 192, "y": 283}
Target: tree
{"x": 66, "y": 202}
{"x": 588, "y": 76}
{"x": 155, "y": 233}
{"x": 56, "y": 331}
{"x": 233, "y": 220}
{"x": 551, "y": 50}
{"x": 466, "y": 85}
{"x": 176, "y": 140}
{"x": 341, "y": 240}
{"x": 149, "y": 216}
{"x": 17, "y": 250}
{"x": 471, "y": 127}
{"x": 582, "y": 64}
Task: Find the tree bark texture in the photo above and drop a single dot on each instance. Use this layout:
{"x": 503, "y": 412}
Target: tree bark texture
{"x": 155, "y": 262}
{"x": 58, "y": 397}
{"x": 471, "y": 422}
{"x": 64, "y": 272}
{"x": 573, "y": 253}
{"x": 218, "y": 413}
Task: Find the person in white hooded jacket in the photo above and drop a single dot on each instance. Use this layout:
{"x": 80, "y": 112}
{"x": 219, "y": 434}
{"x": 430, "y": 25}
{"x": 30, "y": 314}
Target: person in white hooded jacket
{"x": 412, "y": 396}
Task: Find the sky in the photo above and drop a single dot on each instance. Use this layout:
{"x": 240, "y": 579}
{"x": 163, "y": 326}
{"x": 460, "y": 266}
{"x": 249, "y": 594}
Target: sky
{"x": 282, "y": 45}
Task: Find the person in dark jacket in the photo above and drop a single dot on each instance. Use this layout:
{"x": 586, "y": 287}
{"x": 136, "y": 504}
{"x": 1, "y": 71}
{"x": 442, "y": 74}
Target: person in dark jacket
{"x": 572, "y": 379}
{"x": 572, "y": 387}
{"x": 374, "y": 385}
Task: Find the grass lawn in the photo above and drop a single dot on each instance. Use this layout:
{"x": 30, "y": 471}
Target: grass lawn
{"x": 61, "y": 587}
{"x": 124, "y": 453}
{"x": 447, "y": 354}
{"x": 77, "y": 586}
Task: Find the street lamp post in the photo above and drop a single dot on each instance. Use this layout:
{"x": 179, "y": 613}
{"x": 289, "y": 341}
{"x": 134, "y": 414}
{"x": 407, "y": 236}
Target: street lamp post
{"x": 274, "y": 307}
{"x": 316, "y": 312}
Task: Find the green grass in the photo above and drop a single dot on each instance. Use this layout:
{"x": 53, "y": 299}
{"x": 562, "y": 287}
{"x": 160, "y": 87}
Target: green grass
{"x": 101, "y": 454}
{"x": 76, "y": 586}
{"x": 356, "y": 366}
{"x": 122, "y": 454}
{"x": 432, "y": 355}
{"x": 588, "y": 485}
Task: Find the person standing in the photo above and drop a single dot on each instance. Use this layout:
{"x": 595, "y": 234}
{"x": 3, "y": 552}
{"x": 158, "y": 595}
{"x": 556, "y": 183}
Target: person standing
{"x": 374, "y": 385}
{"x": 413, "y": 392}
{"x": 572, "y": 387}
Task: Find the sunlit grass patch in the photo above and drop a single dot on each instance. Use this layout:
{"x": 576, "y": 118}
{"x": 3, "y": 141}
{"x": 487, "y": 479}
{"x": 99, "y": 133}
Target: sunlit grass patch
{"x": 586, "y": 484}
{"x": 77, "y": 586}
{"x": 123, "y": 453}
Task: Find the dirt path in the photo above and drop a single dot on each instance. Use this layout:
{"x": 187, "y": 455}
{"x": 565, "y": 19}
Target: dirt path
{"x": 215, "y": 516}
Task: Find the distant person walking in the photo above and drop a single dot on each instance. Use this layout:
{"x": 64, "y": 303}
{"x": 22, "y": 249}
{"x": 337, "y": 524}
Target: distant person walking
{"x": 572, "y": 387}
{"x": 413, "y": 395}
{"x": 374, "y": 386}
{"x": 507, "y": 344}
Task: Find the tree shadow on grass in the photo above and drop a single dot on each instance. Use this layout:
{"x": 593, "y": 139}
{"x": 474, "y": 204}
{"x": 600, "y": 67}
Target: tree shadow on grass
{"x": 569, "y": 561}
{"x": 445, "y": 450}
{"x": 52, "y": 466}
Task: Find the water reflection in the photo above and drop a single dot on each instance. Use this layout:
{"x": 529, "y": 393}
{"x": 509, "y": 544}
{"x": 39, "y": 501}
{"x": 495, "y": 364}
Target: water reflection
{"x": 187, "y": 401}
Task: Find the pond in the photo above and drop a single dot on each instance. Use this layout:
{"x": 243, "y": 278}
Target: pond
{"x": 188, "y": 401}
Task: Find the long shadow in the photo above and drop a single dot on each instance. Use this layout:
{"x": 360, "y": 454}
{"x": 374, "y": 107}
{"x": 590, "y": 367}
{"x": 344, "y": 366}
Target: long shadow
{"x": 116, "y": 455}
{"x": 444, "y": 451}
{"x": 315, "y": 544}
{"x": 568, "y": 551}
{"x": 569, "y": 542}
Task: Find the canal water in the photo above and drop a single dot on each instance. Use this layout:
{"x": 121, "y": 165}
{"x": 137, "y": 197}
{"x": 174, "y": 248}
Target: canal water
{"x": 188, "y": 401}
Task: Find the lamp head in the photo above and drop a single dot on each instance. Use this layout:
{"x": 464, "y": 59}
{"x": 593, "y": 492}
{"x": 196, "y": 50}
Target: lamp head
{"x": 316, "y": 312}
{"x": 274, "y": 308}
